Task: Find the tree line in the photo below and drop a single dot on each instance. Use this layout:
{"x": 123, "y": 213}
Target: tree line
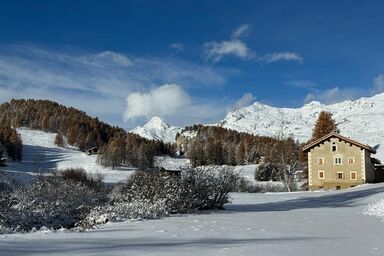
{"x": 217, "y": 145}
{"x": 80, "y": 129}
{"x": 133, "y": 150}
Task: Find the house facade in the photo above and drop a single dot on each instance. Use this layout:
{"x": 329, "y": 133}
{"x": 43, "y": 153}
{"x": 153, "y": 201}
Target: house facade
{"x": 337, "y": 162}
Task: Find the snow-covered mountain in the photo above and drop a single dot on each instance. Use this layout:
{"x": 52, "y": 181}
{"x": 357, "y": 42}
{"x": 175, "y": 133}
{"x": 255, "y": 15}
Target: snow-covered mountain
{"x": 157, "y": 129}
{"x": 362, "y": 120}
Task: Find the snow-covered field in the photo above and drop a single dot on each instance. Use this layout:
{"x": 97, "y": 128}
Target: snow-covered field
{"x": 41, "y": 155}
{"x": 302, "y": 223}
{"x": 345, "y": 222}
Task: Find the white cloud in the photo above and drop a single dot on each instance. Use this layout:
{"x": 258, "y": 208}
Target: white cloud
{"x": 178, "y": 47}
{"x": 116, "y": 58}
{"x": 97, "y": 83}
{"x": 173, "y": 103}
{"x": 378, "y": 84}
{"x": 246, "y": 100}
{"x": 215, "y": 51}
{"x": 334, "y": 95}
{"x": 240, "y": 31}
{"x": 281, "y": 56}
{"x": 163, "y": 101}
{"x": 337, "y": 94}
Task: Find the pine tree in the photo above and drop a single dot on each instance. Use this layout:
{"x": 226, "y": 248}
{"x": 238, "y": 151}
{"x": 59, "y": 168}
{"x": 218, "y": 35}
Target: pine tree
{"x": 324, "y": 125}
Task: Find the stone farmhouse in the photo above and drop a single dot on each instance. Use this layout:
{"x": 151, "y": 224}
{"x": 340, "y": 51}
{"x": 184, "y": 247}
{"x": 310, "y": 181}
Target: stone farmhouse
{"x": 338, "y": 162}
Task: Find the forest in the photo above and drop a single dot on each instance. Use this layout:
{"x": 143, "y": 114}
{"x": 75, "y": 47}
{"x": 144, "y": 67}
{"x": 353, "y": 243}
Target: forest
{"x": 218, "y": 145}
{"x": 116, "y": 145}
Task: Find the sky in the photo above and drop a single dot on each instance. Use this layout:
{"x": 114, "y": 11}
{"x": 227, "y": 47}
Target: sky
{"x": 189, "y": 61}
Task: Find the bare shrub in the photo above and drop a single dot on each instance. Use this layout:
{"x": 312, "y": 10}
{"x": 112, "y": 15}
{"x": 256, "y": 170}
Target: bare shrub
{"x": 52, "y": 202}
{"x": 209, "y": 187}
{"x": 81, "y": 176}
{"x": 152, "y": 194}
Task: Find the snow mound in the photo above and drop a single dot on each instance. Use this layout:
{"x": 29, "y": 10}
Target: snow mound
{"x": 157, "y": 129}
{"x": 360, "y": 120}
{"x": 375, "y": 209}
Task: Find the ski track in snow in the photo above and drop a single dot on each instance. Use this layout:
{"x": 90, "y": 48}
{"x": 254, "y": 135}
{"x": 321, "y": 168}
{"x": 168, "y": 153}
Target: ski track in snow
{"x": 304, "y": 223}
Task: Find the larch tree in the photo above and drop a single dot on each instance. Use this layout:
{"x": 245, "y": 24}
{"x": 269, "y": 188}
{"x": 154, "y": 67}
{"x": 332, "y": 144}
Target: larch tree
{"x": 324, "y": 125}
{"x": 59, "y": 140}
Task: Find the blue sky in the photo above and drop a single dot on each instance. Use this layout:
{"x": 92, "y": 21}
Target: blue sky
{"x": 189, "y": 61}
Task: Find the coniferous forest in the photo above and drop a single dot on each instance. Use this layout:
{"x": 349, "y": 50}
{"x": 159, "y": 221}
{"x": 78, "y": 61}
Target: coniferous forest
{"x": 116, "y": 145}
{"x": 217, "y": 145}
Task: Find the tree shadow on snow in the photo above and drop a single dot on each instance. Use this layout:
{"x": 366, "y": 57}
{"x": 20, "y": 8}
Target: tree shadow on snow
{"x": 334, "y": 200}
{"x": 39, "y": 159}
{"x": 114, "y": 245}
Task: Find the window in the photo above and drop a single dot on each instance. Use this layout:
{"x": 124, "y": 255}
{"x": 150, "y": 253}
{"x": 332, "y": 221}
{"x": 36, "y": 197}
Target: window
{"x": 353, "y": 176}
{"x": 340, "y": 175}
{"x": 338, "y": 160}
{"x": 351, "y": 160}
{"x": 337, "y": 187}
{"x": 320, "y": 160}
{"x": 334, "y": 147}
{"x": 321, "y": 175}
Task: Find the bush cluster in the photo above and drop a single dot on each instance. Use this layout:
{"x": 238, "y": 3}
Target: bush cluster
{"x": 73, "y": 198}
{"x": 51, "y": 202}
{"x": 152, "y": 194}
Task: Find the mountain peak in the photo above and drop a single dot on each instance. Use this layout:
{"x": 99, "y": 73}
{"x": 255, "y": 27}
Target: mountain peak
{"x": 157, "y": 129}
{"x": 313, "y": 104}
{"x": 157, "y": 123}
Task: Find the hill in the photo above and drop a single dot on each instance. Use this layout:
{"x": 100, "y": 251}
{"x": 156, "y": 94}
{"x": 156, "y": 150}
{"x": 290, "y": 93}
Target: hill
{"x": 42, "y": 156}
{"x": 80, "y": 129}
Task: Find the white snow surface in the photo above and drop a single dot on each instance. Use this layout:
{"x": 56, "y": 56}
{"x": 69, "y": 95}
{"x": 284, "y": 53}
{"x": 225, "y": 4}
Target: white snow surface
{"x": 361, "y": 120}
{"x": 299, "y": 224}
{"x": 157, "y": 129}
{"x": 376, "y": 209}
{"x": 171, "y": 163}
{"x": 41, "y": 155}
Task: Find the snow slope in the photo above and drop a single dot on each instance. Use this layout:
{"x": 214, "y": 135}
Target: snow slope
{"x": 362, "y": 120}
{"x": 299, "y": 224}
{"x": 157, "y": 129}
{"x": 41, "y": 155}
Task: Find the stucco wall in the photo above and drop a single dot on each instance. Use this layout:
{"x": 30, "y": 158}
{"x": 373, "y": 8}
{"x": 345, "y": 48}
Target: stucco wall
{"x": 344, "y": 150}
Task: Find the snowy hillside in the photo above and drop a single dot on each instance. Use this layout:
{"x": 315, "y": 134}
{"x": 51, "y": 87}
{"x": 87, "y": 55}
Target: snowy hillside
{"x": 157, "y": 129}
{"x": 362, "y": 120}
{"x": 41, "y": 155}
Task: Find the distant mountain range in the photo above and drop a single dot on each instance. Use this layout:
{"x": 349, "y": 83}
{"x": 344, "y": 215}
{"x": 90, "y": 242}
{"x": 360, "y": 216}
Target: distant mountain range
{"x": 362, "y": 120}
